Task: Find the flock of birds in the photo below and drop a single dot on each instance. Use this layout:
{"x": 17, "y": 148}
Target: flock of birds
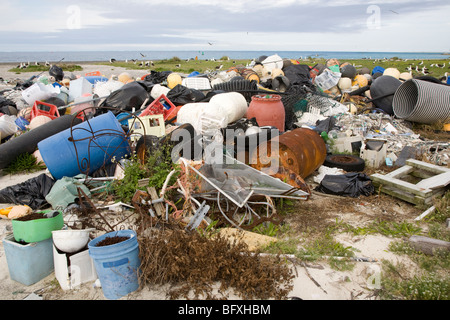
{"x": 421, "y": 68}
{"x": 24, "y": 65}
{"x": 149, "y": 63}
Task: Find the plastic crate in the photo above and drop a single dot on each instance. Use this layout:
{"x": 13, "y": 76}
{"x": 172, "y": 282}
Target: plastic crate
{"x": 197, "y": 83}
{"x": 147, "y": 125}
{"x": 44, "y": 109}
{"x": 156, "y": 107}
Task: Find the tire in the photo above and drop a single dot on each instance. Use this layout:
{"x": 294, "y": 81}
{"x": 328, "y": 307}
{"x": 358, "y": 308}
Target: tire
{"x": 347, "y": 162}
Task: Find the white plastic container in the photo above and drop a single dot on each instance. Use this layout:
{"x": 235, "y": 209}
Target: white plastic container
{"x": 79, "y": 87}
{"x": 38, "y": 92}
{"x": 70, "y": 241}
{"x": 72, "y": 271}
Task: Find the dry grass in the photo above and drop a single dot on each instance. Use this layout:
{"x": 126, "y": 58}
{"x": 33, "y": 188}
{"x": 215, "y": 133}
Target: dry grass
{"x": 192, "y": 264}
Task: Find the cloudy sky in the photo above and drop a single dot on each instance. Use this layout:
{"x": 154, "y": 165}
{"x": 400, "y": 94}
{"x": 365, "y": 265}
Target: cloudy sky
{"x": 285, "y": 25}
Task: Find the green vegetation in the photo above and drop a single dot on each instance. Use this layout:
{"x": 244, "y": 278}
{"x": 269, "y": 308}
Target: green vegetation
{"x": 156, "y": 168}
{"x": 176, "y": 64}
{"x": 41, "y": 68}
{"x": 24, "y": 163}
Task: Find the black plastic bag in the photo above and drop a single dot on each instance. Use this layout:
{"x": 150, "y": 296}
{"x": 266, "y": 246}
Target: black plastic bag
{"x": 181, "y": 95}
{"x": 352, "y": 184}
{"x": 129, "y": 96}
{"x": 298, "y": 74}
{"x": 31, "y": 192}
{"x": 56, "y": 72}
{"x": 157, "y": 77}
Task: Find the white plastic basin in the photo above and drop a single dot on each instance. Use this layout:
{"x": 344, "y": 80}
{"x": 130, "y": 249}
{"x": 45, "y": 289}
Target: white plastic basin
{"x": 71, "y": 240}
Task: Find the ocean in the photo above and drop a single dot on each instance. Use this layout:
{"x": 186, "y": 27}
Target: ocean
{"x": 79, "y": 56}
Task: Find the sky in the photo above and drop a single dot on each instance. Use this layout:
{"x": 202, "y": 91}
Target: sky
{"x": 254, "y": 25}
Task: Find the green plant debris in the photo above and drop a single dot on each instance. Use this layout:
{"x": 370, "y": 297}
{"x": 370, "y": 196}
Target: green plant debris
{"x": 24, "y": 163}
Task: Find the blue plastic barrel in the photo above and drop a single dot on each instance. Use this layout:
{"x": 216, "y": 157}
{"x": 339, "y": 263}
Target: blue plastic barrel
{"x": 117, "y": 265}
{"x": 95, "y": 142}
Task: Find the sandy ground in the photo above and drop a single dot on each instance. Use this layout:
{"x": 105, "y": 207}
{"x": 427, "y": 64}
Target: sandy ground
{"x": 105, "y": 70}
{"x": 314, "y": 281}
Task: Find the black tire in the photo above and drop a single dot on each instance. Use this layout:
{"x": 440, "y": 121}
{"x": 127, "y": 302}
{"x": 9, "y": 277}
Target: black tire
{"x": 347, "y": 162}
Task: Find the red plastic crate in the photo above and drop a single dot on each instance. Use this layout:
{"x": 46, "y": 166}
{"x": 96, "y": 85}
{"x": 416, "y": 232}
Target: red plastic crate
{"x": 44, "y": 109}
{"x": 156, "y": 107}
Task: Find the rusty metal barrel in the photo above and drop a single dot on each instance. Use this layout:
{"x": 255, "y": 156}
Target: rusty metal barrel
{"x": 301, "y": 150}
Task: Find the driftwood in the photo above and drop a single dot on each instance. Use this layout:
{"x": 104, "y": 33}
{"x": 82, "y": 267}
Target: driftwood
{"x": 428, "y": 245}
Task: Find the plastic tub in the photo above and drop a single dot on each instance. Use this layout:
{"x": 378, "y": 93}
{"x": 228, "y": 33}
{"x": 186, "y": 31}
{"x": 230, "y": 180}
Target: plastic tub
{"x": 28, "y": 263}
{"x": 117, "y": 265}
{"x": 38, "y": 229}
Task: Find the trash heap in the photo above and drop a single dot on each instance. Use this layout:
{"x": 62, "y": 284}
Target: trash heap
{"x": 171, "y": 151}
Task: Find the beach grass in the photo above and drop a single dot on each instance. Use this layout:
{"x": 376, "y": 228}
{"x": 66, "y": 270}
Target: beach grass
{"x": 43, "y": 68}
{"x": 190, "y": 65}
{"x": 176, "y": 64}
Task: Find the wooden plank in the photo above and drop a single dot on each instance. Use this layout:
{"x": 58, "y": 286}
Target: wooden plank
{"x": 438, "y": 181}
{"x": 428, "y": 245}
{"x": 401, "y": 185}
{"x": 427, "y": 166}
{"x": 159, "y": 207}
{"x": 400, "y": 172}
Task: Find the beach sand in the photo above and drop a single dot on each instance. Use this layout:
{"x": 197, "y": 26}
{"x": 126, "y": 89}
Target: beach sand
{"x": 88, "y": 67}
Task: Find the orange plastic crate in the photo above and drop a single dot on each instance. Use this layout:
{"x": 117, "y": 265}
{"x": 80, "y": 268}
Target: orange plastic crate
{"x": 44, "y": 109}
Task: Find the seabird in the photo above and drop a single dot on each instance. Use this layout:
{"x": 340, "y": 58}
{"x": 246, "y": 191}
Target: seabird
{"x": 112, "y": 60}
{"x": 142, "y": 54}
{"x": 47, "y": 64}
{"x": 178, "y": 65}
{"x": 219, "y": 67}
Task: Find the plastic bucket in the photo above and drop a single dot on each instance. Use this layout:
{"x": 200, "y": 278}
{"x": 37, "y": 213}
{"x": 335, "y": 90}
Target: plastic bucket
{"x": 117, "y": 265}
{"x": 85, "y": 147}
{"x": 422, "y": 101}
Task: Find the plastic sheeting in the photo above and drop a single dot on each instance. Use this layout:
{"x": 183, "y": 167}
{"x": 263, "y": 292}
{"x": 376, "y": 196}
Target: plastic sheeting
{"x": 351, "y": 184}
{"x": 131, "y": 95}
{"x": 31, "y": 192}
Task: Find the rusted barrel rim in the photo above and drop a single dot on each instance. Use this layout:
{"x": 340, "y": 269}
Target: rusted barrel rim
{"x": 266, "y": 97}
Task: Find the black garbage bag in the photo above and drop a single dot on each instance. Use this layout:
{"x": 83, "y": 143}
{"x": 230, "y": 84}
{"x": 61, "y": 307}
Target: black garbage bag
{"x": 157, "y": 77}
{"x": 56, "y": 72}
{"x": 352, "y": 184}
{"x": 7, "y": 106}
{"x": 298, "y": 74}
{"x": 326, "y": 125}
{"x": 181, "y": 95}
{"x": 31, "y": 192}
{"x": 129, "y": 96}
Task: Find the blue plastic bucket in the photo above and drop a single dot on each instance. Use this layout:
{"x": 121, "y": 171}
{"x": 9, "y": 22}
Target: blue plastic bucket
{"x": 117, "y": 265}
{"x": 95, "y": 143}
